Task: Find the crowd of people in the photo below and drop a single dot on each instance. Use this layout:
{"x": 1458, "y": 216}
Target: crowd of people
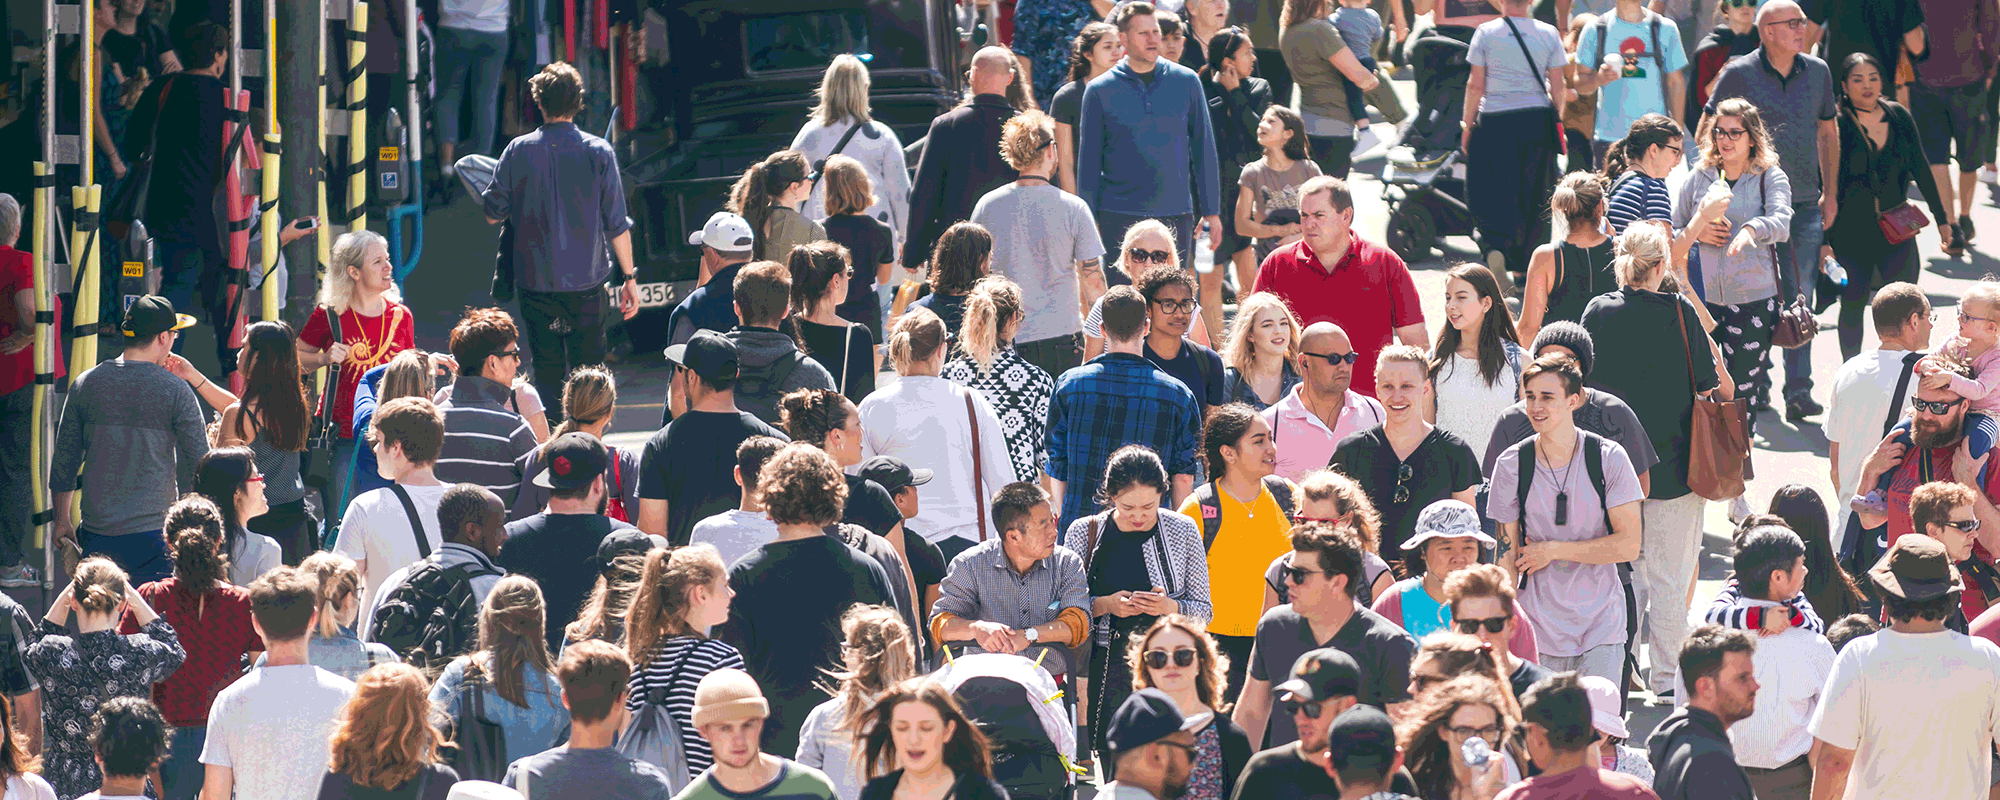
{"x": 1073, "y": 510}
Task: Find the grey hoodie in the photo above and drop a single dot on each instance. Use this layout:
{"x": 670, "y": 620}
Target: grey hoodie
{"x": 770, "y": 366}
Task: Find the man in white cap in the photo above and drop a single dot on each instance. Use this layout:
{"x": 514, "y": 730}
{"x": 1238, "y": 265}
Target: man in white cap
{"x": 729, "y": 711}
{"x": 725, "y": 244}
{"x": 594, "y": 675}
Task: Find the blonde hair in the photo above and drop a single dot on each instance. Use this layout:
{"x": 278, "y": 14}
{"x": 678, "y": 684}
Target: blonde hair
{"x": 1141, "y": 229}
{"x": 339, "y": 580}
{"x": 917, "y": 337}
{"x": 384, "y": 735}
{"x": 842, "y": 92}
{"x": 1763, "y": 155}
{"x": 1025, "y": 137}
{"x": 1577, "y": 199}
{"x": 887, "y": 655}
{"x": 992, "y": 315}
{"x": 511, "y": 637}
{"x": 1985, "y": 290}
{"x": 1642, "y": 249}
{"x": 1239, "y": 351}
{"x": 590, "y": 395}
{"x": 603, "y": 614}
{"x": 1403, "y": 354}
{"x": 410, "y": 374}
{"x": 99, "y": 586}
{"x": 661, "y": 604}
{"x": 351, "y": 250}
{"x": 849, "y": 190}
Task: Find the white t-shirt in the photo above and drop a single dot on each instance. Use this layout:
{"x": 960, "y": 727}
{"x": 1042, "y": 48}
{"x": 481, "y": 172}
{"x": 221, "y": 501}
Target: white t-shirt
{"x": 377, "y": 529}
{"x": 32, "y": 787}
{"x": 271, "y": 728}
{"x": 735, "y": 533}
{"x": 1920, "y": 711}
{"x": 1854, "y": 415}
{"x": 1791, "y": 669}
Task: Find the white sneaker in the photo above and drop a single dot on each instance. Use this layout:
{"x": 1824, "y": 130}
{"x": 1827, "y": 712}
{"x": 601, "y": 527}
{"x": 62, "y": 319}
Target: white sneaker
{"x": 1365, "y": 140}
{"x": 1987, "y": 174}
{"x": 1738, "y": 509}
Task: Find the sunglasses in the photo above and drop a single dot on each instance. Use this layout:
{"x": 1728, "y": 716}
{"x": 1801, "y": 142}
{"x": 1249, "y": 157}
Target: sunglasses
{"x": 1297, "y": 575}
{"x": 1182, "y": 657}
{"x": 1311, "y": 709}
{"x": 1731, "y": 134}
{"x": 1140, "y": 255}
{"x": 1739, "y": 3}
{"x": 1403, "y": 475}
{"x": 259, "y": 478}
{"x": 1964, "y": 525}
{"x": 1334, "y": 359}
{"x": 1491, "y": 624}
{"x": 1939, "y": 407}
{"x": 514, "y": 353}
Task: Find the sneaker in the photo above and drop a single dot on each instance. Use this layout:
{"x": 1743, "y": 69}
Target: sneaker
{"x": 1738, "y": 509}
{"x": 18, "y": 576}
{"x": 1987, "y": 174}
{"x": 1365, "y": 140}
{"x": 1798, "y": 409}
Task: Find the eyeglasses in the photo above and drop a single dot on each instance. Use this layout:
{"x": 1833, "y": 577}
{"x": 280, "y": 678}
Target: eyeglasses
{"x": 1487, "y": 732}
{"x": 1731, "y": 134}
{"x": 1178, "y": 306}
{"x": 1297, "y": 575}
{"x": 514, "y": 353}
{"x": 1962, "y": 317}
{"x": 1939, "y": 407}
{"x": 1182, "y": 657}
{"x": 1312, "y": 709}
{"x": 1788, "y": 24}
{"x": 1403, "y": 475}
{"x": 1181, "y": 746}
{"x": 1140, "y": 255}
{"x": 1334, "y": 359}
{"x": 1739, "y": 3}
{"x": 1491, "y": 624}
{"x": 1963, "y": 525}
{"x": 1674, "y": 147}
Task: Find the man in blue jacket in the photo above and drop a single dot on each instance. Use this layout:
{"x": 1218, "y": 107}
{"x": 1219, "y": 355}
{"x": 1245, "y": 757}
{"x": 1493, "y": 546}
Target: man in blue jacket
{"x": 1146, "y": 150}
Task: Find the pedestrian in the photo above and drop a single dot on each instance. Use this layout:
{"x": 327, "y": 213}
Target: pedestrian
{"x": 1238, "y": 101}
{"x": 1512, "y": 108}
{"x": 1445, "y": 655}
{"x": 682, "y": 594}
{"x": 1448, "y": 539}
{"x": 428, "y": 612}
{"x": 1322, "y": 684}
{"x": 1649, "y": 76}
{"x": 936, "y": 749}
{"x": 1602, "y": 412}
{"x": 1406, "y": 463}
{"x": 1121, "y": 174}
{"x": 1735, "y": 34}
{"x": 989, "y": 363}
{"x": 1567, "y": 553}
{"x": 1360, "y": 28}
{"x": 412, "y": 373}
{"x": 1171, "y": 312}
{"x": 1245, "y": 516}
{"x": 1791, "y": 667}
{"x": 511, "y": 670}
{"x": 1330, "y": 262}
{"x": 17, "y": 394}
{"x": 1328, "y": 496}
{"x": 1949, "y": 512}
{"x": 1267, "y": 188}
{"x": 212, "y": 618}
{"x": 1865, "y": 404}
{"x": 1258, "y": 358}
{"x": 554, "y": 547}
{"x": 769, "y": 362}
{"x": 1319, "y": 59}
{"x": 737, "y": 532}
{"x": 820, "y": 275}
{"x": 871, "y": 245}
{"x": 1635, "y": 170}
{"x": 727, "y": 243}
{"x": 1565, "y": 275}
{"x": 1947, "y": 95}
{"x": 387, "y": 529}
{"x": 142, "y": 455}
{"x": 230, "y": 479}
{"x": 1197, "y": 689}
{"x": 730, "y": 712}
{"x": 1476, "y": 366}
{"x": 786, "y": 641}
{"x": 1607, "y": 720}
{"x": 1045, "y": 240}
{"x": 375, "y": 327}
{"x": 384, "y": 745}
{"x": 1323, "y": 409}
{"x": 484, "y": 432}
{"x": 1450, "y": 714}
{"x": 879, "y": 652}
{"x": 560, "y": 189}
{"x": 472, "y": 48}
{"x": 128, "y": 738}
{"x": 271, "y": 419}
{"x": 840, "y": 106}
{"x": 1205, "y": 19}
{"x": 336, "y": 645}
{"x": 678, "y": 491}
{"x": 593, "y": 676}
{"x": 1482, "y": 602}
{"x": 826, "y": 420}
{"x": 589, "y": 401}
{"x": 603, "y": 615}
{"x": 1691, "y": 750}
{"x": 268, "y": 732}
{"x": 1827, "y": 585}
{"x": 964, "y": 255}
{"x": 961, "y": 161}
{"x": 976, "y": 603}
{"x": 1890, "y": 32}
{"x": 1880, "y": 145}
{"x": 1095, "y": 49}
{"x": 926, "y": 560}
{"x": 1556, "y": 723}
{"x": 1150, "y": 730}
{"x": 769, "y": 195}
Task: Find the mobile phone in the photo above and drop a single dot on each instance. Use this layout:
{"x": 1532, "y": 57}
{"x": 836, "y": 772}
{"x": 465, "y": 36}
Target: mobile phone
{"x": 305, "y": 224}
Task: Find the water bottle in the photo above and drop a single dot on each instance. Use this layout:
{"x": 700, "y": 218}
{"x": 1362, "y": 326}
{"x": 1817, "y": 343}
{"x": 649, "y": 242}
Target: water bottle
{"x": 1834, "y": 271}
{"x": 1476, "y": 752}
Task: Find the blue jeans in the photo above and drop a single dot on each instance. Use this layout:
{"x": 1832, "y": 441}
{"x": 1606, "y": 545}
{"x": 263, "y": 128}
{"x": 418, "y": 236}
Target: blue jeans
{"x": 1801, "y": 254}
{"x": 142, "y": 555}
{"x": 471, "y": 60}
{"x": 183, "y": 772}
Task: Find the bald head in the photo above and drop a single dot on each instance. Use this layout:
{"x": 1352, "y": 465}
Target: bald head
{"x": 1771, "y": 7}
{"x": 1322, "y": 377}
{"x": 1781, "y": 28}
{"x": 992, "y": 70}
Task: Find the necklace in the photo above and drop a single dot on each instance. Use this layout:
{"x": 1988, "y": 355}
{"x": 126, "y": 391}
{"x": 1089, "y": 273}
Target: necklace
{"x": 368, "y": 352}
{"x": 1562, "y": 482}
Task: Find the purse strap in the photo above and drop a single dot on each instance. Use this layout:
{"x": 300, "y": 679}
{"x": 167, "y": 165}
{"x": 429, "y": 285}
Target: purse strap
{"x": 1680, "y": 317}
{"x": 1777, "y": 271}
{"x": 1541, "y": 79}
{"x": 846, "y": 355}
{"x": 978, "y": 468}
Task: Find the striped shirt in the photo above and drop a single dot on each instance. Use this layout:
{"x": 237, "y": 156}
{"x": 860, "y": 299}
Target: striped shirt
{"x": 676, "y": 668}
{"x": 483, "y": 438}
{"x": 1730, "y": 610}
{"x": 1638, "y": 196}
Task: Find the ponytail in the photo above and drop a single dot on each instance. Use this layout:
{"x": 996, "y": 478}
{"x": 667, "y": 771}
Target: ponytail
{"x": 758, "y": 190}
{"x": 991, "y": 308}
{"x": 1577, "y": 198}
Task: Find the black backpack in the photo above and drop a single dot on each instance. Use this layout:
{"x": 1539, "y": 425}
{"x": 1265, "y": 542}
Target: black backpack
{"x": 1211, "y": 507}
{"x": 759, "y": 388}
{"x": 433, "y": 617}
{"x": 1593, "y": 465}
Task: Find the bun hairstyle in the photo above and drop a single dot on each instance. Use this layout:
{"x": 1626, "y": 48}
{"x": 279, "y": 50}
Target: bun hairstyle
{"x": 99, "y": 586}
{"x": 339, "y": 582}
{"x": 1642, "y": 251}
{"x": 917, "y": 337}
{"x": 194, "y": 536}
{"x": 1578, "y": 199}
{"x": 808, "y": 415}
{"x": 1129, "y": 466}
{"x": 814, "y": 266}
{"x": 992, "y": 314}
{"x": 757, "y": 191}
{"x": 1221, "y": 47}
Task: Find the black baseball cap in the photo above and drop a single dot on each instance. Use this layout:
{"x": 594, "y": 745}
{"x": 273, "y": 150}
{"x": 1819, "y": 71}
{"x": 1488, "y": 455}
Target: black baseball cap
{"x": 621, "y": 542}
{"x": 709, "y": 354}
{"x": 152, "y": 315}
{"x": 1362, "y": 736}
{"x": 574, "y": 459}
{"x": 1323, "y": 674}
{"x": 893, "y": 474}
{"x": 1145, "y": 717}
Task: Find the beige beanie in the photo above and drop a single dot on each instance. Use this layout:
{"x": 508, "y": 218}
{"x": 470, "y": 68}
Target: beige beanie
{"x": 728, "y": 694}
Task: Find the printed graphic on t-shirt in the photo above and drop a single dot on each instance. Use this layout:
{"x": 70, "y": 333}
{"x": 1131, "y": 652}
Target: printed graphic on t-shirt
{"x": 1634, "y": 49}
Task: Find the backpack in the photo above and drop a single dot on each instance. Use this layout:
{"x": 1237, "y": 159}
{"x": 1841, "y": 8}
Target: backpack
{"x": 433, "y": 617}
{"x": 655, "y": 736}
{"x": 1603, "y": 26}
{"x": 1593, "y": 467}
{"x": 1206, "y": 497}
{"x": 758, "y": 388}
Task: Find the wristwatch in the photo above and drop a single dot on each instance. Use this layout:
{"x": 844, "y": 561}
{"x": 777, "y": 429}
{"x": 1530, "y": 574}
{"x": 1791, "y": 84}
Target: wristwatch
{"x": 1031, "y": 634}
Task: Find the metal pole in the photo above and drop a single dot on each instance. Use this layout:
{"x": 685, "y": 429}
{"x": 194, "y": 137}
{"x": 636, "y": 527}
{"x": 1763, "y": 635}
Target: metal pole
{"x": 87, "y": 80}
{"x": 299, "y": 105}
{"x": 357, "y": 117}
{"x": 41, "y": 440}
{"x": 323, "y": 249}
{"x": 268, "y": 225}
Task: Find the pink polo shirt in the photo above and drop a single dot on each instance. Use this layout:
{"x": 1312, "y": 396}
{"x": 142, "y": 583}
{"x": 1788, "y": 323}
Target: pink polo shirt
{"x": 1304, "y": 442}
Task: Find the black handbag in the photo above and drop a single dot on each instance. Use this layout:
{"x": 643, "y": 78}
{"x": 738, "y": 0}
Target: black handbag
{"x": 128, "y": 201}
{"x": 481, "y": 745}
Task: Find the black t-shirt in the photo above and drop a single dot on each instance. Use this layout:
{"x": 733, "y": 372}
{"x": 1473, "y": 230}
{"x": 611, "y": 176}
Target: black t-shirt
{"x": 1120, "y": 563}
{"x": 1644, "y": 360}
{"x": 1067, "y": 108}
{"x": 850, "y": 347}
{"x": 1525, "y": 676}
{"x": 436, "y": 786}
{"x": 1382, "y": 649}
{"x": 691, "y": 464}
{"x": 870, "y": 506}
{"x": 948, "y": 307}
{"x": 180, "y": 205}
{"x": 1875, "y": 27}
{"x": 555, "y": 550}
{"x": 1441, "y": 464}
{"x": 1283, "y": 773}
{"x": 142, "y": 48}
{"x": 1198, "y": 367}
{"x": 785, "y": 619}
{"x": 870, "y": 244}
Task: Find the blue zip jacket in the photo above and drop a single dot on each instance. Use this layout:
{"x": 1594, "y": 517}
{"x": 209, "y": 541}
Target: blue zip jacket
{"x": 1147, "y": 150}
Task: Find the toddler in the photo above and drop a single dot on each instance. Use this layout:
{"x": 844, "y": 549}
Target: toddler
{"x": 1977, "y": 344}
{"x": 1360, "y": 27}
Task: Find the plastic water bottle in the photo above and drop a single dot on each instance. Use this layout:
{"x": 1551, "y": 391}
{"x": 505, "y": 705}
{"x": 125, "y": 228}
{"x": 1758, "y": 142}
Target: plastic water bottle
{"x": 1834, "y": 271}
{"x": 1476, "y": 752}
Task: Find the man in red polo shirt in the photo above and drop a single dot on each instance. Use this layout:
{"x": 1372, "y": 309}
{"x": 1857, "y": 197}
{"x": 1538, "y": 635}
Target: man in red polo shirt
{"x": 1332, "y": 275}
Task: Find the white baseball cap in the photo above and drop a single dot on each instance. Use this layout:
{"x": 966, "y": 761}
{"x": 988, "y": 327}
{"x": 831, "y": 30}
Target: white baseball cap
{"x": 1604, "y": 716}
{"x": 724, "y": 231}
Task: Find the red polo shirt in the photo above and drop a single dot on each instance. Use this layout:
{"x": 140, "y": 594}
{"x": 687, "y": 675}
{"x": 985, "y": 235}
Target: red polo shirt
{"x": 1369, "y": 294}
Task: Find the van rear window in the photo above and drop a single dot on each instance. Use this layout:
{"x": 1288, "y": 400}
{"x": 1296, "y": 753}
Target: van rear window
{"x": 803, "y": 41}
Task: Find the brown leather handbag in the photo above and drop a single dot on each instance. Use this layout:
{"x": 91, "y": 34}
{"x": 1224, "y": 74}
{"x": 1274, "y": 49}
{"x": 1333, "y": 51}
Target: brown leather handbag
{"x": 1718, "y": 437}
{"x": 1796, "y": 326}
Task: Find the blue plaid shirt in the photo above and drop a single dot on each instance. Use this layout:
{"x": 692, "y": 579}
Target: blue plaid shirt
{"x": 1115, "y": 400}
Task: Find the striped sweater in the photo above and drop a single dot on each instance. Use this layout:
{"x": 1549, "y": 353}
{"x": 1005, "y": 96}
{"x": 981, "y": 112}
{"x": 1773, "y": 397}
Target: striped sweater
{"x": 677, "y": 667}
{"x": 483, "y": 437}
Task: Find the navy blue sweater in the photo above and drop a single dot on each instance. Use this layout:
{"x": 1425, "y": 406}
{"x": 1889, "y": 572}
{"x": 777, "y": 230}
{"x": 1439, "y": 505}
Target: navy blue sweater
{"x": 1146, "y": 148}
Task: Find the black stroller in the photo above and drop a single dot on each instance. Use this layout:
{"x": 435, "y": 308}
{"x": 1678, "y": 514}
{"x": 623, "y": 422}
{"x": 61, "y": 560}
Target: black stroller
{"x": 1424, "y": 179}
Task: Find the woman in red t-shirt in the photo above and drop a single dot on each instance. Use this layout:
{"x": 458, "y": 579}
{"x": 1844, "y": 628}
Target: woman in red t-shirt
{"x": 374, "y": 327}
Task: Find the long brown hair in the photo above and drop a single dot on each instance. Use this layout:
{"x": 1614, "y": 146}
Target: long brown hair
{"x": 384, "y": 736}
{"x": 1496, "y": 327}
{"x": 194, "y": 537}
{"x": 272, "y": 388}
{"x": 603, "y": 614}
{"x": 1763, "y": 155}
{"x": 1212, "y": 676}
{"x": 967, "y": 751}
{"x": 757, "y": 192}
{"x": 661, "y": 604}
{"x": 1426, "y": 751}
{"x": 511, "y": 637}
{"x": 14, "y": 757}
{"x": 885, "y": 654}
{"x": 1297, "y": 11}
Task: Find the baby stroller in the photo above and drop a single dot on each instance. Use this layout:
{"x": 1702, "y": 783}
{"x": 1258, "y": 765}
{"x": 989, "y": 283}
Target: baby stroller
{"x": 1424, "y": 179}
{"x": 1020, "y": 708}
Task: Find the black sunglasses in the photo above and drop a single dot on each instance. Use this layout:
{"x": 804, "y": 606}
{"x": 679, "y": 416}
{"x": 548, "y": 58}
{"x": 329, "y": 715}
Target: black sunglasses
{"x": 1964, "y": 525}
{"x": 514, "y": 353}
{"x": 1312, "y": 709}
{"x": 1297, "y": 575}
{"x": 1335, "y": 359}
{"x": 1403, "y": 475}
{"x": 1491, "y": 624}
{"x": 1935, "y": 406}
{"x": 1140, "y": 255}
{"x": 1183, "y": 657}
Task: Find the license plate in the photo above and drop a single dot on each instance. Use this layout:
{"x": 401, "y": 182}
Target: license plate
{"x": 655, "y": 295}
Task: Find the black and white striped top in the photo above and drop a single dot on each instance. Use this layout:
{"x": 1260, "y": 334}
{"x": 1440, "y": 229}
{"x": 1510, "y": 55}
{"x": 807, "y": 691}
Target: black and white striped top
{"x": 483, "y": 437}
{"x": 677, "y": 666}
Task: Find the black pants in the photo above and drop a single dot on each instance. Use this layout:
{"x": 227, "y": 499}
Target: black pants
{"x": 565, "y": 331}
{"x": 16, "y": 411}
{"x": 1902, "y": 264}
{"x": 1271, "y": 67}
{"x": 1055, "y": 355}
{"x": 292, "y": 526}
{"x": 1238, "y": 650}
{"x": 1510, "y": 173}
{"x": 1333, "y": 154}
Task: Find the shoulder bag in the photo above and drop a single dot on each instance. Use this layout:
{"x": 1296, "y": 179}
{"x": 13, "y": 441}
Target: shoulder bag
{"x": 128, "y": 202}
{"x": 1718, "y": 436}
{"x": 1542, "y": 83}
{"x": 978, "y": 468}
{"x": 481, "y": 743}
{"x": 1796, "y": 326}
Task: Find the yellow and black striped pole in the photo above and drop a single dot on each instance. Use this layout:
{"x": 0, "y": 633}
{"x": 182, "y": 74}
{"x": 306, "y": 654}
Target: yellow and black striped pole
{"x": 267, "y": 208}
{"x": 39, "y": 442}
{"x": 357, "y": 117}
{"x": 322, "y": 247}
